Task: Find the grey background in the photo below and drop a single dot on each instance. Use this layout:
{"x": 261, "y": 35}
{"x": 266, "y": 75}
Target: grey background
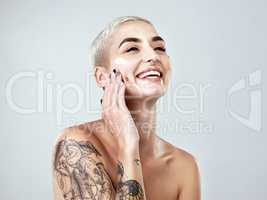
{"x": 214, "y": 43}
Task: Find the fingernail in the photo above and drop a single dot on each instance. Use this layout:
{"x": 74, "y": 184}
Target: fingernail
{"x": 118, "y": 73}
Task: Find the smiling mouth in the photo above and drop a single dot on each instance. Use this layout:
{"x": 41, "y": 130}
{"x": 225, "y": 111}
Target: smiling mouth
{"x": 150, "y": 75}
{"x": 151, "y": 78}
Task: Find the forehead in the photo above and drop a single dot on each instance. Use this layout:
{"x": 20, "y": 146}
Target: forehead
{"x": 138, "y": 29}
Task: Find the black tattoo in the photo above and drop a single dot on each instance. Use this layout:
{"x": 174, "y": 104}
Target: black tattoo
{"x": 120, "y": 169}
{"x": 137, "y": 161}
{"x": 79, "y": 174}
{"x": 129, "y": 189}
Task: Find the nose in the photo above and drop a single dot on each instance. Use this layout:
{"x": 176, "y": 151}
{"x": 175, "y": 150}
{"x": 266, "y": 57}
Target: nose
{"x": 150, "y": 55}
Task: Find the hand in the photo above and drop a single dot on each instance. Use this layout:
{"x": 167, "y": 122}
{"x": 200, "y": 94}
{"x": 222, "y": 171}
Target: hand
{"x": 116, "y": 114}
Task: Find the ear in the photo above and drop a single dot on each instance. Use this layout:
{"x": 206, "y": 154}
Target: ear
{"x": 101, "y": 76}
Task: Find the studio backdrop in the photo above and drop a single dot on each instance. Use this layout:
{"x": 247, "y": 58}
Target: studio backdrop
{"x": 215, "y": 107}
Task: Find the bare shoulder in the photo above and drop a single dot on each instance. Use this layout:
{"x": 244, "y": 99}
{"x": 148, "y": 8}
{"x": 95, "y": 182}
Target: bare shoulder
{"x": 77, "y": 165}
{"x": 180, "y": 157}
{"x": 185, "y": 173}
{"x": 184, "y": 159}
{"x": 77, "y": 135}
{"x": 74, "y": 136}
{"x": 82, "y": 131}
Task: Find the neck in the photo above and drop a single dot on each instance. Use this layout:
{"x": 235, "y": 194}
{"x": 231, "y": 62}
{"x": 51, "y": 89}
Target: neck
{"x": 144, "y": 116}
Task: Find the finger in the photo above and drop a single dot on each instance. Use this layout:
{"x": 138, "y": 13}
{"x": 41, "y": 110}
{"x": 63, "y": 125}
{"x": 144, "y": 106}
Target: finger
{"x": 117, "y": 86}
{"x": 106, "y": 95}
{"x": 110, "y": 97}
{"x": 121, "y": 95}
{"x": 104, "y": 87}
{"x": 113, "y": 96}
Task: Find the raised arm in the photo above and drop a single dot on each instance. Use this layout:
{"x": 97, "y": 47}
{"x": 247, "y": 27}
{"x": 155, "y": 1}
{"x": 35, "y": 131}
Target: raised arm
{"x": 119, "y": 121}
{"x": 131, "y": 184}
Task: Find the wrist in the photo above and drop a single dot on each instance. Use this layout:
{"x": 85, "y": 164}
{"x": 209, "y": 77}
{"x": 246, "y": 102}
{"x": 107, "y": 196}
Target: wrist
{"x": 130, "y": 145}
{"x": 128, "y": 151}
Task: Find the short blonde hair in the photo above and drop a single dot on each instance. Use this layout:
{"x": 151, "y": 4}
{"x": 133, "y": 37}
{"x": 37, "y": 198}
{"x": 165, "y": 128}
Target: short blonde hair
{"x": 98, "y": 48}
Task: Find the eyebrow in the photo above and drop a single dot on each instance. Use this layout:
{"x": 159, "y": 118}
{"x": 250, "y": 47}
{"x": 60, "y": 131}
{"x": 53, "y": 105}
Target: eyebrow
{"x": 133, "y": 39}
{"x": 157, "y": 38}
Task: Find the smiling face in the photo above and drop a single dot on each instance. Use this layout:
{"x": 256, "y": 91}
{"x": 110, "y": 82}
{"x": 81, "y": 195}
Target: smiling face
{"x": 136, "y": 47}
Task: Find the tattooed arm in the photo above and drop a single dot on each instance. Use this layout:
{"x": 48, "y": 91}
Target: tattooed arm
{"x": 131, "y": 185}
{"x": 78, "y": 172}
{"x": 120, "y": 122}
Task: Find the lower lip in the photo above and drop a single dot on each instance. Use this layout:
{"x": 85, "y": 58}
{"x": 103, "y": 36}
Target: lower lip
{"x": 151, "y": 78}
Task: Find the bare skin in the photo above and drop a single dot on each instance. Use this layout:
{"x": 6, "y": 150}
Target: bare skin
{"x": 120, "y": 155}
{"x": 169, "y": 172}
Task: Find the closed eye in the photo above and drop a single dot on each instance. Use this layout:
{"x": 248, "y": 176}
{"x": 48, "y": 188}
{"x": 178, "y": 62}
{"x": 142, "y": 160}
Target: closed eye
{"x": 160, "y": 49}
{"x": 132, "y": 49}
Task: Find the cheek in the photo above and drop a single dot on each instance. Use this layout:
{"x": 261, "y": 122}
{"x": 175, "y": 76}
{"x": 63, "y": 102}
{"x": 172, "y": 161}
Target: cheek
{"x": 166, "y": 63}
{"x": 120, "y": 61}
{"x": 124, "y": 64}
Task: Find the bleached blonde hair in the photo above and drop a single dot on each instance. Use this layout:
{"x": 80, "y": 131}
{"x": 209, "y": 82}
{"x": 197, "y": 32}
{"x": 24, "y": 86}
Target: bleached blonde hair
{"x": 99, "y": 46}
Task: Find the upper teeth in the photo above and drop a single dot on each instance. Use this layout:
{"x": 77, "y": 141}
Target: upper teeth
{"x": 152, "y": 72}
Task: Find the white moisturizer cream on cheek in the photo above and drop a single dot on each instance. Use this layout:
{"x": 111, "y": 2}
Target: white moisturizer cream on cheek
{"x": 120, "y": 61}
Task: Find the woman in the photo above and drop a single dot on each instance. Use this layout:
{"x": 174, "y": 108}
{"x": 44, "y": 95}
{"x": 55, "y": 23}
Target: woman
{"x": 120, "y": 156}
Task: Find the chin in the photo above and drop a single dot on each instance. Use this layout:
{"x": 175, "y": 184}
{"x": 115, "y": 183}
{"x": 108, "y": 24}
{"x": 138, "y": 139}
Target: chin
{"x": 146, "y": 93}
{"x": 146, "y": 89}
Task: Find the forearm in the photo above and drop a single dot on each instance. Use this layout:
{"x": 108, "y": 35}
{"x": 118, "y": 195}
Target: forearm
{"x": 131, "y": 184}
